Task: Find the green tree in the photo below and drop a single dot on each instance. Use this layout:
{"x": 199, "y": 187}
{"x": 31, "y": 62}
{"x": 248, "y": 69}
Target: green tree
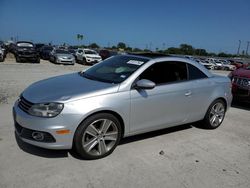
{"x": 128, "y": 49}
{"x": 186, "y": 49}
{"x": 79, "y": 37}
{"x": 173, "y": 50}
{"x": 137, "y": 50}
{"x": 121, "y": 45}
{"x": 94, "y": 45}
{"x": 201, "y": 52}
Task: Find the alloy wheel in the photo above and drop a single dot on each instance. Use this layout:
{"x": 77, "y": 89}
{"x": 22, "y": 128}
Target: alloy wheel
{"x": 217, "y": 114}
{"x": 100, "y": 137}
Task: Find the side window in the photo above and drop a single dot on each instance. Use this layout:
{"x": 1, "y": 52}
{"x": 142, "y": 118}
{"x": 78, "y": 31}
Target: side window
{"x": 80, "y": 51}
{"x": 165, "y": 72}
{"x": 195, "y": 73}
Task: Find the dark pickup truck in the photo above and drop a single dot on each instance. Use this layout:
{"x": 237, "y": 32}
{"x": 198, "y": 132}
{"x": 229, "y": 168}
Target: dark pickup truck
{"x": 26, "y": 51}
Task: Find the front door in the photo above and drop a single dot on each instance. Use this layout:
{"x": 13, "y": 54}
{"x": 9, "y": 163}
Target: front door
{"x": 165, "y": 105}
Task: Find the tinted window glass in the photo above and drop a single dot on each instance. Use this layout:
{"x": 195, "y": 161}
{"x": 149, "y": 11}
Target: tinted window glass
{"x": 165, "y": 72}
{"x": 89, "y": 52}
{"x": 195, "y": 73}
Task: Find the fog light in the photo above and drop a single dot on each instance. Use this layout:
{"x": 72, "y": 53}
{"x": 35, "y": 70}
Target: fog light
{"x": 37, "y": 136}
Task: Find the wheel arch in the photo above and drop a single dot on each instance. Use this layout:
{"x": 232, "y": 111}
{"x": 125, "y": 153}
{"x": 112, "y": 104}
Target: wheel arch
{"x": 117, "y": 115}
{"x": 223, "y": 99}
{"x": 219, "y": 98}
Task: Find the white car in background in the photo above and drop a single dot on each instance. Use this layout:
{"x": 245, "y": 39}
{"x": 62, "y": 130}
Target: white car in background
{"x": 87, "y": 56}
{"x": 226, "y": 65}
{"x": 217, "y": 65}
{"x": 206, "y": 64}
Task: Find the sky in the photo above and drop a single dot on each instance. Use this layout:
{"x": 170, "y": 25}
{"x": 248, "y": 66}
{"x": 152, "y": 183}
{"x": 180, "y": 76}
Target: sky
{"x": 215, "y": 25}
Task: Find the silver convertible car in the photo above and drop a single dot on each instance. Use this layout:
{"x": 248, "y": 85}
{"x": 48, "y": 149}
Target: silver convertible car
{"x": 122, "y": 96}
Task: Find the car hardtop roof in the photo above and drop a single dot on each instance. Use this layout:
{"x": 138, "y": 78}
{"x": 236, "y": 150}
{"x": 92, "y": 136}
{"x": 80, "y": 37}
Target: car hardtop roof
{"x": 149, "y": 55}
{"x": 161, "y": 57}
{"x": 85, "y": 49}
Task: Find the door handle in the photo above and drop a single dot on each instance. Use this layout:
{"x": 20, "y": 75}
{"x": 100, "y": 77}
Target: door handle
{"x": 188, "y": 93}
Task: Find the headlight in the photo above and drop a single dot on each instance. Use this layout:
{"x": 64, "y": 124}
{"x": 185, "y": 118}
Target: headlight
{"x": 46, "y": 109}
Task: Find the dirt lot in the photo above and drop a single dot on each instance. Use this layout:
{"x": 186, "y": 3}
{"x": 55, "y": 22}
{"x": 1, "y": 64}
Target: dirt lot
{"x": 185, "y": 156}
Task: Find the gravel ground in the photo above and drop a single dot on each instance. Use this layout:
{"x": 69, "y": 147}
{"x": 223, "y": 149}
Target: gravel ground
{"x": 184, "y": 156}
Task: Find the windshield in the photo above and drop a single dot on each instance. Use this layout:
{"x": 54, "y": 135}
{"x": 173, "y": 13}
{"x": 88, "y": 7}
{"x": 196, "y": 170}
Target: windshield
{"x": 72, "y": 50}
{"x": 62, "y": 52}
{"x": 89, "y": 52}
{"x": 48, "y": 48}
{"x": 115, "y": 69}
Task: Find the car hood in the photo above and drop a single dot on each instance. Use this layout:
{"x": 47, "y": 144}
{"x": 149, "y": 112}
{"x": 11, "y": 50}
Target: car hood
{"x": 66, "y": 88}
{"x": 92, "y": 55}
{"x": 26, "y": 49}
{"x": 64, "y": 55}
{"x": 241, "y": 72}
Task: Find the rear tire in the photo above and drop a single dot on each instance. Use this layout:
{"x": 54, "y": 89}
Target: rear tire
{"x": 97, "y": 136}
{"x": 215, "y": 114}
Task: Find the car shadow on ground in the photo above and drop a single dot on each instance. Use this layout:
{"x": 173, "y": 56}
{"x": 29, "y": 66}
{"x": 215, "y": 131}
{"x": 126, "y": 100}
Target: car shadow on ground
{"x": 47, "y": 153}
{"x": 241, "y": 105}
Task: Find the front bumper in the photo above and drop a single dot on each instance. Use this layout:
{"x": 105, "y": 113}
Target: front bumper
{"x": 27, "y": 55}
{"x": 47, "y": 125}
{"x": 92, "y": 61}
{"x": 66, "y": 61}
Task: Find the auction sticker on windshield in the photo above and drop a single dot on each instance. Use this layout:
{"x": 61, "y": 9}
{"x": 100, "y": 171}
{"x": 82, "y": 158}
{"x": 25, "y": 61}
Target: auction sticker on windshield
{"x": 134, "y": 62}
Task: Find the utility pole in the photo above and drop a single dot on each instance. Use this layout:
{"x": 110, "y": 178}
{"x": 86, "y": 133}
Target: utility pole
{"x": 247, "y": 48}
{"x": 163, "y": 46}
{"x": 238, "y": 52}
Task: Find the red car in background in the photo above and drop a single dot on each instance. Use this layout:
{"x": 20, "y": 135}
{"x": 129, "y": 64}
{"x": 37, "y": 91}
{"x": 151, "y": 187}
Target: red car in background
{"x": 241, "y": 84}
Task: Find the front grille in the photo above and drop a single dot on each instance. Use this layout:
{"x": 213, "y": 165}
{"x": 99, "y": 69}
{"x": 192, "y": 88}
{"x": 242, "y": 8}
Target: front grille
{"x": 243, "y": 82}
{"x": 24, "y": 104}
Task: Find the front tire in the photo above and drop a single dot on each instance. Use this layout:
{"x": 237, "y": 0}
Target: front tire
{"x": 37, "y": 60}
{"x": 97, "y": 136}
{"x": 215, "y": 114}
{"x": 18, "y": 60}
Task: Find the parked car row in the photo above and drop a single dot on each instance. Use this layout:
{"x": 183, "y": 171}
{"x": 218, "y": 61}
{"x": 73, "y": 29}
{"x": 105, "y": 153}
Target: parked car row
{"x": 216, "y": 64}
{"x": 27, "y": 51}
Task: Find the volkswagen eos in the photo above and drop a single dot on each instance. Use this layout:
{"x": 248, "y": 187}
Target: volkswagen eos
{"x": 124, "y": 95}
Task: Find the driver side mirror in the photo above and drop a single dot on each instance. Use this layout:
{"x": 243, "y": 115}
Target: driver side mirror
{"x": 144, "y": 84}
